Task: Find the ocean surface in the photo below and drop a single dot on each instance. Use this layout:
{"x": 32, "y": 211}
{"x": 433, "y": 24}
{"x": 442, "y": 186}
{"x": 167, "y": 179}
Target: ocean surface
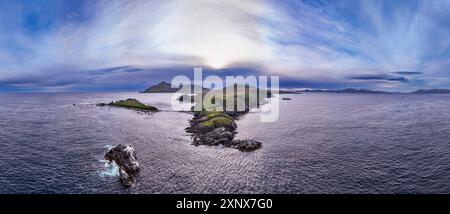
{"x": 322, "y": 143}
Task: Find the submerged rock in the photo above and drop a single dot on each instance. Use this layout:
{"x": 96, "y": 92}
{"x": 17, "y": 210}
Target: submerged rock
{"x": 126, "y": 159}
{"x": 246, "y": 145}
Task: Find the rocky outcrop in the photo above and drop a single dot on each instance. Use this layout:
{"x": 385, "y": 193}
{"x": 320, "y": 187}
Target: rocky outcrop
{"x": 218, "y": 129}
{"x": 131, "y": 104}
{"x": 126, "y": 159}
{"x": 214, "y": 128}
{"x": 245, "y": 145}
{"x": 215, "y": 137}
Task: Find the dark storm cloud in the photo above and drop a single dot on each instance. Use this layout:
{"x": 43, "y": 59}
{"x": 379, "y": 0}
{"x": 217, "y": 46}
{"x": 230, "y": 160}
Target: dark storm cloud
{"x": 118, "y": 69}
{"x": 407, "y": 72}
{"x": 380, "y": 78}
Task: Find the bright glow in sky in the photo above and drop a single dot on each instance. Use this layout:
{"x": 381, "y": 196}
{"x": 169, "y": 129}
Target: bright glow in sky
{"x": 63, "y": 45}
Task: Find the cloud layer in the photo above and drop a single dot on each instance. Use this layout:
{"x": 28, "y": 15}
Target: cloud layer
{"x": 59, "y": 45}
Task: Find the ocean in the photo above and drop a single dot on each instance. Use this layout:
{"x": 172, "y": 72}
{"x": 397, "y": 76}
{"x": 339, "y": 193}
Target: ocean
{"x": 322, "y": 143}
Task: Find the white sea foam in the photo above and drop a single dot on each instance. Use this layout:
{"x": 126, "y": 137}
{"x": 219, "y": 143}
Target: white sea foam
{"x": 108, "y": 147}
{"x": 109, "y": 169}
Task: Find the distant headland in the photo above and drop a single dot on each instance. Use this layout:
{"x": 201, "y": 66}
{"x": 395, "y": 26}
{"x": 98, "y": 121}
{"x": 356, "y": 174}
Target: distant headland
{"x": 365, "y": 91}
{"x": 432, "y": 91}
{"x": 165, "y": 87}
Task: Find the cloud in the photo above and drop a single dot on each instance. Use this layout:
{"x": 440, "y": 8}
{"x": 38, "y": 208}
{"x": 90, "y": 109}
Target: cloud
{"x": 119, "y": 69}
{"x": 407, "y": 72}
{"x": 382, "y": 78}
{"x": 398, "y": 79}
{"x": 315, "y": 42}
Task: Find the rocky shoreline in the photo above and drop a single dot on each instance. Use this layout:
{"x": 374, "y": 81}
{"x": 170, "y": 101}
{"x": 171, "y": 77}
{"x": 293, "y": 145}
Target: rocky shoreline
{"x": 218, "y": 129}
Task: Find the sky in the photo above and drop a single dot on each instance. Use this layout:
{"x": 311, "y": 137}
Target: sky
{"x": 112, "y": 45}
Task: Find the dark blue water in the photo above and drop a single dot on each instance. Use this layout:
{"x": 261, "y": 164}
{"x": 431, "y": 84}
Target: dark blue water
{"x": 323, "y": 143}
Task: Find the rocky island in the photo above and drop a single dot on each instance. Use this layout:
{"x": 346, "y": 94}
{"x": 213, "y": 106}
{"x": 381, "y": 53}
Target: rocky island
{"x": 218, "y": 129}
{"x": 130, "y": 104}
{"x": 126, "y": 159}
{"x": 215, "y": 127}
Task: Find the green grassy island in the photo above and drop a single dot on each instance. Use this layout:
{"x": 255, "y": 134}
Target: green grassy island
{"x": 132, "y": 104}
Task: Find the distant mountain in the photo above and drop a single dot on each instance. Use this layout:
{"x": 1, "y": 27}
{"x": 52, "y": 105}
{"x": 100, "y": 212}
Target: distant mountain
{"x": 432, "y": 91}
{"x": 360, "y": 91}
{"x": 288, "y": 92}
{"x": 347, "y": 90}
{"x": 165, "y": 87}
